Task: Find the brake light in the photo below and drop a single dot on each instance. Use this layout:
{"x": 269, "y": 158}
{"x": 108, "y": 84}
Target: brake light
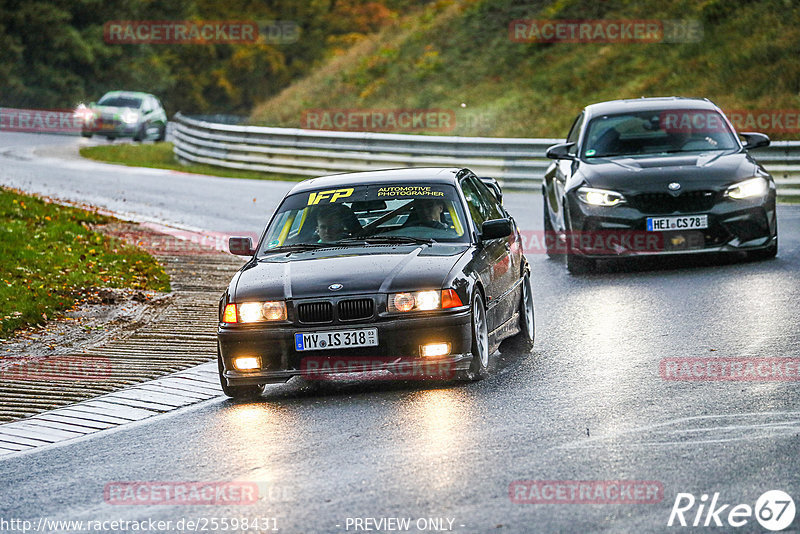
{"x": 450, "y": 299}
{"x": 229, "y": 315}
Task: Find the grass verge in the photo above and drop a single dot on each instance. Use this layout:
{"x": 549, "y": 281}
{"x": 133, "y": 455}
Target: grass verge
{"x": 459, "y": 56}
{"x": 50, "y": 259}
{"x": 160, "y": 156}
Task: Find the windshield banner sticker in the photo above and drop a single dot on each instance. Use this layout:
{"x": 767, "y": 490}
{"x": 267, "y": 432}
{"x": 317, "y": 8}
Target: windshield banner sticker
{"x": 409, "y": 191}
{"x": 332, "y": 195}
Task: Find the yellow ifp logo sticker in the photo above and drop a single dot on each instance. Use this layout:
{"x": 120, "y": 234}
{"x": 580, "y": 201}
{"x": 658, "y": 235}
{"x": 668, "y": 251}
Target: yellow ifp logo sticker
{"x": 334, "y": 194}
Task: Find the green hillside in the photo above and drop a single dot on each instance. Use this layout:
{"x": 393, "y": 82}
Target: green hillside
{"x": 458, "y": 56}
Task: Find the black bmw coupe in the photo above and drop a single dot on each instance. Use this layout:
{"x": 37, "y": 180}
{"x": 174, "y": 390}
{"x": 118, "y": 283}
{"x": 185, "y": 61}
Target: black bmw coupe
{"x": 655, "y": 176}
{"x": 410, "y": 272}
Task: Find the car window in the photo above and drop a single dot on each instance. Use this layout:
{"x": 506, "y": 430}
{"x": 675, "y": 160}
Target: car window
{"x": 426, "y": 211}
{"x": 121, "y": 101}
{"x": 494, "y": 210}
{"x": 656, "y": 132}
{"x": 574, "y": 133}
{"x": 476, "y": 204}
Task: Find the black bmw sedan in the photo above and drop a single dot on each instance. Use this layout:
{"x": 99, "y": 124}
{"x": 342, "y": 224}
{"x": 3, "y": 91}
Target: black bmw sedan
{"x": 409, "y": 272}
{"x": 656, "y": 176}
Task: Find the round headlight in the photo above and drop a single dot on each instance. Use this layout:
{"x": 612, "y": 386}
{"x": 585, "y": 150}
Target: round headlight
{"x": 273, "y": 311}
{"x": 404, "y": 302}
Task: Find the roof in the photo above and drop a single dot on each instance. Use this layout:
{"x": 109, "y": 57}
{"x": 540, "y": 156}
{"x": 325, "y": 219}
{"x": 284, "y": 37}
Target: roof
{"x": 127, "y": 93}
{"x": 646, "y": 104}
{"x": 429, "y": 175}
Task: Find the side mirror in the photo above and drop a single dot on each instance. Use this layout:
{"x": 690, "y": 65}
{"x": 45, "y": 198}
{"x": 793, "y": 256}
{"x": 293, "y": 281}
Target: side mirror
{"x": 560, "y": 151}
{"x": 492, "y": 184}
{"x": 495, "y": 229}
{"x": 241, "y": 246}
{"x": 754, "y": 140}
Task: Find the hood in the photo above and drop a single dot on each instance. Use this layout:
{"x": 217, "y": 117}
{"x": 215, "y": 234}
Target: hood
{"x": 360, "y": 270}
{"x": 108, "y": 111}
{"x": 693, "y": 171}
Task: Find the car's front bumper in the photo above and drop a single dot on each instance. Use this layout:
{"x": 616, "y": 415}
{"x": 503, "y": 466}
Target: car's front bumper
{"x": 398, "y": 349}
{"x": 733, "y": 226}
{"x": 113, "y": 128}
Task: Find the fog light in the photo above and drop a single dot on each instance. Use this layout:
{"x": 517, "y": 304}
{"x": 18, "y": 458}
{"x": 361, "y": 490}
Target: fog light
{"x": 433, "y": 350}
{"x": 246, "y": 363}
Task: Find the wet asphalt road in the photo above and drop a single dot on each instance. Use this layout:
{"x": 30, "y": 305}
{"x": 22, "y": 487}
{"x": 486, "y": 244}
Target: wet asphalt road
{"x": 588, "y": 403}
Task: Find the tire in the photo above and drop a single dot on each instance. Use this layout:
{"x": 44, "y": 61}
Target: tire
{"x": 550, "y": 238}
{"x": 576, "y": 264}
{"x": 522, "y": 341}
{"x": 479, "y": 366}
{"x": 162, "y": 133}
{"x": 140, "y": 134}
{"x": 237, "y": 392}
{"x": 87, "y": 134}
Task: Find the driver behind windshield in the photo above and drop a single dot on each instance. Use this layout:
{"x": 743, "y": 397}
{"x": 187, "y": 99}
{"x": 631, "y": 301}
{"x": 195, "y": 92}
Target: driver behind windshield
{"x": 333, "y": 222}
{"x": 427, "y": 212}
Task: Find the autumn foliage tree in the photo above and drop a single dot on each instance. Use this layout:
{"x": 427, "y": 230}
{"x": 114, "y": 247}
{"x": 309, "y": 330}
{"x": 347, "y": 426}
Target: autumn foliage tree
{"x": 53, "y": 53}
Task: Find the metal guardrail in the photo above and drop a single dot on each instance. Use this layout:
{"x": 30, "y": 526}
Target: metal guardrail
{"x": 517, "y": 163}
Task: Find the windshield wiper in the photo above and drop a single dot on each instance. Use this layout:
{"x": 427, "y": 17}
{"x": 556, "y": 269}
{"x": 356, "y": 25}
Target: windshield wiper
{"x": 392, "y": 239}
{"x": 675, "y": 151}
{"x": 601, "y": 156}
{"x": 297, "y": 247}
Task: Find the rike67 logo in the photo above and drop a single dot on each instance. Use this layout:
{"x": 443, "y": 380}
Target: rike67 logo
{"x": 774, "y": 510}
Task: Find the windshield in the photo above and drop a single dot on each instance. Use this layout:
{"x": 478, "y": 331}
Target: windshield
{"x": 372, "y": 213}
{"x": 120, "y": 101}
{"x": 657, "y": 132}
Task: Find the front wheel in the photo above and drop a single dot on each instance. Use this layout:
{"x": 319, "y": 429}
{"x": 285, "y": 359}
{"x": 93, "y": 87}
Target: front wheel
{"x": 140, "y": 134}
{"x": 523, "y": 340}
{"x": 479, "y": 367}
{"x": 550, "y": 236}
{"x": 236, "y": 392}
{"x": 576, "y": 263}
